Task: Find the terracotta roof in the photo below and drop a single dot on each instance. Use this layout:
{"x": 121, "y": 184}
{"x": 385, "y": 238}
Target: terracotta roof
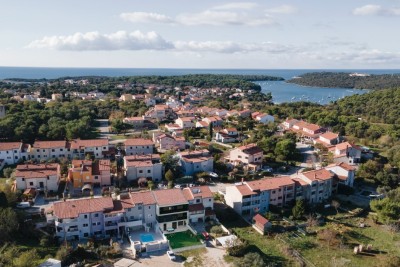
{"x": 169, "y": 197}
{"x": 195, "y": 156}
{"x": 101, "y": 166}
{"x": 10, "y": 146}
{"x": 138, "y": 142}
{"x": 29, "y": 171}
{"x": 343, "y": 165}
{"x": 250, "y": 149}
{"x": 72, "y": 208}
{"x": 329, "y": 135}
{"x": 186, "y": 119}
{"x": 141, "y": 160}
{"x": 49, "y": 144}
{"x": 244, "y": 190}
{"x": 270, "y": 183}
{"x": 311, "y": 126}
{"x": 145, "y": 198}
{"x": 198, "y": 191}
{"x": 78, "y": 143}
{"x": 345, "y": 145}
{"x": 231, "y": 129}
{"x": 299, "y": 181}
{"x": 321, "y": 174}
{"x": 196, "y": 207}
{"x": 260, "y": 219}
{"x": 203, "y": 123}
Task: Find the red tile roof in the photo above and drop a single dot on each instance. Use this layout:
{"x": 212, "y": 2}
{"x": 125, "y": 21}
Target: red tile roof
{"x": 191, "y": 193}
{"x": 345, "y": 145}
{"x": 72, "y": 208}
{"x": 329, "y": 135}
{"x": 250, "y": 149}
{"x": 321, "y": 174}
{"x": 244, "y": 190}
{"x": 196, "y": 207}
{"x": 49, "y": 144}
{"x": 169, "y": 197}
{"x": 260, "y": 219}
{"x": 139, "y": 142}
{"x": 78, "y": 143}
{"x": 270, "y": 183}
{"x": 145, "y": 198}
{"x": 10, "y": 146}
{"x": 28, "y": 171}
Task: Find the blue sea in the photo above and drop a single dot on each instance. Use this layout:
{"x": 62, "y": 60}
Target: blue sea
{"x": 281, "y": 91}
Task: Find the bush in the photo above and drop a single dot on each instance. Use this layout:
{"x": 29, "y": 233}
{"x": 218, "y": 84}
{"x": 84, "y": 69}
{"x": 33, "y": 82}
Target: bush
{"x": 216, "y": 230}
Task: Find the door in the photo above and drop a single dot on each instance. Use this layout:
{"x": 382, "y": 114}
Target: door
{"x": 41, "y": 185}
{"x": 165, "y": 226}
{"x": 174, "y": 225}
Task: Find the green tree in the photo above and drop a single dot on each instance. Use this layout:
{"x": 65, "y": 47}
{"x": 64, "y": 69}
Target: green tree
{"x": 169, "y": 176}
{"x": 7, "y": 172}
{"x": 170, "y": 161}
{"x": 8, "y": 224}
{"x": 251, "y": 259}
{"x": 298, "y": 210}
{"x": 286, "y": 150}
{"x": 27, "y": 259}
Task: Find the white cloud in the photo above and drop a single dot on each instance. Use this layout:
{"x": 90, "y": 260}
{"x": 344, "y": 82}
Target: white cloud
{"x": 284, "y": 9}
{"x": 239, "y": 5}
{"x": 217, "y": 18}
{"x": 94, "y": 41}
{"x": 376, "y": 10}
{"x": 146, "y": 17}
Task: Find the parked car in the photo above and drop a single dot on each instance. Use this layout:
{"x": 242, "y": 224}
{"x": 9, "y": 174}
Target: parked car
{"x": 171, "y": 255}
{"x": 23, "y": 205}
{"x": 212, "y": 174}
{"x": 177, "y": 186}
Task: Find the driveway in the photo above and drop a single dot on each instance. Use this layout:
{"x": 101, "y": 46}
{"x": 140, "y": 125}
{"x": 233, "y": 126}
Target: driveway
{"x": 215, "y": 257}
{"x": 103, "y": 128}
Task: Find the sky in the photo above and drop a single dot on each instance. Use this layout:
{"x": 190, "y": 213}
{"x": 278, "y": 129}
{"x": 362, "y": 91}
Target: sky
{"x": 268, "y": 34}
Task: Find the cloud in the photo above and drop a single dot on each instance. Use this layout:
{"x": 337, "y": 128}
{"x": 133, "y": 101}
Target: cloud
{"x": 146, "y": 17}
{"x": 284, "y": 9}
{"x": 239, "y": 5}
{"x": 376, "y": 10}
{"x": 94, "y": 41}
{"x": 218, "y": 18}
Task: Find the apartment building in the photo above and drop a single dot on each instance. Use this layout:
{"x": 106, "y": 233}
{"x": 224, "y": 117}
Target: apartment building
{"x": 319, "y": 185}
{"x": 227, "y": 135}
{"x": 45, "y": 177}
{"x": 45, "y": 150}
{"x": 168, "y": 142}
{"x": 201, "y": 203}
{"x": 346, "y": 152}
{"x": 250, "y": 156}
{"x": 196, "y": 161}
{"x": 95, "y": 147}
{"x": 185, "y": 122}
{"x": 345, "y": 173}
{"x": 327, "y": 139}
{"x": 138, "y": 146}
{"x": 148, "y": 166}
{"x": 13, "y": 152}
{"x": 95, "y": 173}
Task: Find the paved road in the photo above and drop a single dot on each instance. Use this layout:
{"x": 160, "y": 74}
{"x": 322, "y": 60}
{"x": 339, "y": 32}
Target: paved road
{"x": 103, "y": 128}
{"x": 309, "y": 159}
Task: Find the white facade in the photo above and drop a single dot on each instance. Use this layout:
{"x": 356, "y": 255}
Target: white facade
{"x": 12, "y": 152}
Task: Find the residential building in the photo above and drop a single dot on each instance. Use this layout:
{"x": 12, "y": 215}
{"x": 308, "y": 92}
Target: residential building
{"x": 136, "y": 122}
{"x": 167, "y": 142}
{"x": 288, "y": 124}
{"x": 345, "y": 173}
{"x": 138, "y": 146}
{"x": 56, "y": 97}
{"x": 186, "y": 122}
{"x": 261, "y": 224}
{"x": 125, "y": 97}
{"x": 94, "y": 147}
{"x": 227, "y": 135}
{"x": 94, "y": 173}
{"x": 201, "y": 203}
{"x": 39, "y": 176}
{"x": 320, "y": 185}
{"x": 160, "y": 112}
{"x": 13, "y": 152}
{"x": 262, "y": 117}
{"x": 196, "y": 161}
{"x": 250, "y": 156}
{"x": 45, "y": 150}
{"x": 346, "y": 152}
{"x": 215, "y": 121}
{"x": 327, "y": 139}
{"x": 148, "y": 166}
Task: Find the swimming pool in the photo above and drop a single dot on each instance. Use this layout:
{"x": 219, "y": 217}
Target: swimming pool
{"x": 146, "y": 238}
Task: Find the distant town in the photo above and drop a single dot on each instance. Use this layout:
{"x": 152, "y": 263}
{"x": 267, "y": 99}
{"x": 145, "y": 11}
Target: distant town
{"x": 99, "y": 171}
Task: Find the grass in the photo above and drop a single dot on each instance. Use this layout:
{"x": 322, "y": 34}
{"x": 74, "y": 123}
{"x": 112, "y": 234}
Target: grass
{"x": 182, "y": 239}
{"x": 195, "y": 257}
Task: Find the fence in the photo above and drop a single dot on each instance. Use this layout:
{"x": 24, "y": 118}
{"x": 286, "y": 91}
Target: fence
{"x": 297, "y": 255}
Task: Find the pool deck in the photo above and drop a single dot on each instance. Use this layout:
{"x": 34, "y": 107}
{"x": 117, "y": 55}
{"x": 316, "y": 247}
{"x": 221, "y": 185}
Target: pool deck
{"x": 135, "y": 236}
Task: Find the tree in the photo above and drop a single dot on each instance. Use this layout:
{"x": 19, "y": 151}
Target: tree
{"x": 7, "y": 172}
{"x": 151, "y": 185}
{"x": 170, "y": 161}
{"x": 169, "y": 176}
{"x": 251, "y": 259}
{"x": 299, "y": 209}
{"x": 286, "y": 150}
{"x": 10, "y": 194}
{"x": 210, "y": 132}
{"x": 336, "y": 205}
{"x": 27, "y": 259}
{"x": 8, "y": 224}
{"x": 235, "y": 247}
{"x": 329, "y": 235}
{"x": 217, "y": 230}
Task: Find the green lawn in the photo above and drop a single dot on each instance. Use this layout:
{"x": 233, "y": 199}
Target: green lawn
{"x": 182, "y": 239}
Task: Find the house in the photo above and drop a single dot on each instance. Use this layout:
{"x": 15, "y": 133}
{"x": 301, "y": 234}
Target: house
{"x": 95, "y": 147}
{"x": 126, "y": 97}
{"x": 39, "y": 176}
{"x": 160, "y": 113}
{"x": 327, "y": 139}
{"x": 215, "y": 121}
{"x": 196, "y": 161}
{"x": 185, "y": 122}
{"x": 45, "y": 150}
{"x": 148, "y": 166}
{"x": 262, "y": 117}
{"x": 289, "y": 123}
{"x": 346, "y": 152}
{"x": 94, "y": 173}
{"x": 56, "y": 97}
{"x": 201, "y": 203}
{"x": 244, "y": 113}
{"x": 261, "y": 224}
{"x": 227, "y": 135}
{"x": 168, "y": 142}
{"x": 138, "y": 146}
{"x": 319, "y": 185}
{"x": 345, "y": 173}
{"x": 13, "y": 152}
{"x": 251, "y": 156}
{"x": 307, "y": 130}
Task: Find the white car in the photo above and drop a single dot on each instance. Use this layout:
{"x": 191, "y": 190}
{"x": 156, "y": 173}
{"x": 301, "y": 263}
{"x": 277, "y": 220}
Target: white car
{"x": 23, "y": 205}
{"x": 212, "y": 174}
{"x": 177, "y": 186}
{"x": 171, "y": 255}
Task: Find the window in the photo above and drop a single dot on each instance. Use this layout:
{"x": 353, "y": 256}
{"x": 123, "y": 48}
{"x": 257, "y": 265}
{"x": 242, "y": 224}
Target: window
{"x": 104, "y": 147}
{"x": 149, "y": 207}
{"x": 198, "y": 200}
{"x": 85, "y": 216}
{"x": 96, "y": 177}
{"x": 61, "y": 149}
{"x": 44, "y": 150}
{"x": 96, "y": 215}
{"x": 37, "y": 150}
{"x": 239, "y": 157}
{"x": 98, "y": 223}
{"x": 139, "y": 207}
{"x": 23, "y": 179}
{"x": 86, "y": 234}
{"x": 97, "y": 148}
{"x": 94, "y": 224}
{"x": 52, "y": 150}
{"x": 129, "y": 209}
{"x": 148, "y": 171}
{"x": 85, "y": 225}
{"x": 140, "y": 171}
{"x": 31, "y": 183}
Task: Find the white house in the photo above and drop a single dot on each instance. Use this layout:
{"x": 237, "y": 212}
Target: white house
{"x": 201, "y": 203}
{"x": 344, "y": 172}
{"x": 138, "y": 146}
{"x": 12, "y": 152}
{"x": 262, "y": 117}
{"x": 45, "y": 150}
{"x": 186, "y": 122}
{"x": 40, "y": 176}
{"x": 147, "y": 166}
{"x": 95, "y": 147}
{"x": 251, "y": 156}
{"x": 196, "y": 161}
{"x": 346, "y": 152}
{"x": 227, "y": 135}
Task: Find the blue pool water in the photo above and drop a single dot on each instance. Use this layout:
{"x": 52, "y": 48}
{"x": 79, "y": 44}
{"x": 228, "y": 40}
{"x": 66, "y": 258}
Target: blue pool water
{"x": 146, "y": 238}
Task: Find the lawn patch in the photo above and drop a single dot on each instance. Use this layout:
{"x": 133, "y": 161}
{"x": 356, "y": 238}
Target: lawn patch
{"x": 182, "y": 239}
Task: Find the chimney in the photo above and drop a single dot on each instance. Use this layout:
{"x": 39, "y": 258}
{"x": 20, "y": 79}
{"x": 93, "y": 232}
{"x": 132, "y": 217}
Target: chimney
{"x": 315, "y": 175}
{"x": 242, "y": 180}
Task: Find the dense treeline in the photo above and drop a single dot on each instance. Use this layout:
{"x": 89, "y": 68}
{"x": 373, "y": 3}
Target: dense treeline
{"x": 344, "y": 80}
{"x": 30, "y": 120}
